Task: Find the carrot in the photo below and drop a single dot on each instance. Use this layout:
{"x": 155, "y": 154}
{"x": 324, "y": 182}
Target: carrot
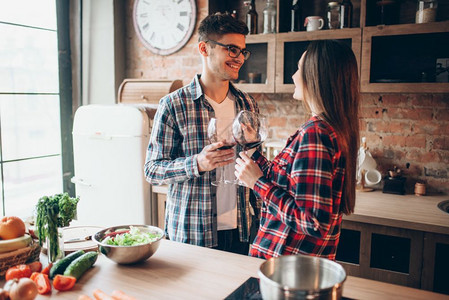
{"x": 120, "y": 295}
{"x": 84, "y": 297}
{"x": 100, "y": 295}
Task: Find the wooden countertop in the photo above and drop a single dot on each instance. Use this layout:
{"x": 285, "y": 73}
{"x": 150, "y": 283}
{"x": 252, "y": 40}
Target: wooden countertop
{"x": 402, "y": 211}
{"x": 182, "y": 271}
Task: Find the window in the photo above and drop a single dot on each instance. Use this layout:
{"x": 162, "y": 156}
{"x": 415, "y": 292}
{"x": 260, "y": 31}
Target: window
{"x": 30, "y": 130}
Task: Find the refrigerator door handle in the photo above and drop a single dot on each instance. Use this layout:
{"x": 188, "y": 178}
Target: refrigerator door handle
{"x": 79, "y": 181}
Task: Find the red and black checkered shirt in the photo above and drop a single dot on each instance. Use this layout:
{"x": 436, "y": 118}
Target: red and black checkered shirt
{"x": 301, "y": 192}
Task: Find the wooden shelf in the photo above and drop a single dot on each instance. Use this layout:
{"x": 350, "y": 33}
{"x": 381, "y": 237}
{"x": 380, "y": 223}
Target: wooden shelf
{"x": 301, "y": 39}
{"x": 415, "y": 57}
{"x": 262, "y": 59}
{"x": 365, "y": 39}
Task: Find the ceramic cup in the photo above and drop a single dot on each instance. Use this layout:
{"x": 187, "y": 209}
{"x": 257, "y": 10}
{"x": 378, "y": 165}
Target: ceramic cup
{"x": 372, "y": 177}
{"x": 313, "y": 23}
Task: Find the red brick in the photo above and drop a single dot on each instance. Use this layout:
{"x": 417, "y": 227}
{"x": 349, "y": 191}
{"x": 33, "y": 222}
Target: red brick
{"x": 422, "y": 100}
{"x": 394, "y": 141}
{"x": 415, "y": 141}
{"x": 371, "y": 112}
{"x": 441, "y": 143}
{"x": 277, "y": 122}
{"x": 425, "y": 127}
{"x": 393, "y": 100}
{"x": 442, "y": 115}
{"x": 402, "y": 127}
{"x": 369, "y": 99}
{"x": 410, "y": 113}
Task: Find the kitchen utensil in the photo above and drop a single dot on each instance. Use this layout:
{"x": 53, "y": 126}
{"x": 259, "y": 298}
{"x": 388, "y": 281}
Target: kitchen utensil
{"x": 76, "y": 240}
{"x": 301, "y": 277}
{"x": 128, "y": 254}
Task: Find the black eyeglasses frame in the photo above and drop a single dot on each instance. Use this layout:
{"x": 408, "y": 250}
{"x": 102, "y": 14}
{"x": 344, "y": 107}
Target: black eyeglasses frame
{"x": 246, "y": 53}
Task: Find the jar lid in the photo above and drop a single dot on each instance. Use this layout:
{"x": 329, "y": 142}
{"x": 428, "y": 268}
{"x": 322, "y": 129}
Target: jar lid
{"x": 333, "y": 4}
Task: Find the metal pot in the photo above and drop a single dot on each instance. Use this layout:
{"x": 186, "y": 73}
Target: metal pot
{"x": 301, "y": 277}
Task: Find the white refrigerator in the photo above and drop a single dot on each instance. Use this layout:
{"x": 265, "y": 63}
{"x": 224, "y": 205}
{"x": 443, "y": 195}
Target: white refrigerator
{"x": 109, "y": 147}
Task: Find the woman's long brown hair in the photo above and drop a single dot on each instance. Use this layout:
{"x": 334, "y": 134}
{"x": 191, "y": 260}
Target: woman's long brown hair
{"x": 331, "y": 82}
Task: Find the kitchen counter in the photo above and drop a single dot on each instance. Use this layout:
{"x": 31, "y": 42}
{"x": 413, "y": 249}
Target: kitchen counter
{"x": 401, "y": 211}
{"x": 181, "y": 271}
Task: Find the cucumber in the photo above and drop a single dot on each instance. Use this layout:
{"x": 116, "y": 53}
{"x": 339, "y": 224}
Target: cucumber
{"x": 60, "y": 266}
{"x": 81, "y": 265}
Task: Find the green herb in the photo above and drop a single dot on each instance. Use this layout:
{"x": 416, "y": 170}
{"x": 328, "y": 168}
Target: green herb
{"x": 53, "y": 212}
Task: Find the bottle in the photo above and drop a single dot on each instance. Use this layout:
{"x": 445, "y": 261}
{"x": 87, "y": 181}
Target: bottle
{"x": 426, "y": 11}
{"x": 269, "y": 17}
{"x": 296, "y": 17}
{"x": 333, "y": 15}
{"x": 251, "y": 17}
{"x": 346, "y": 14}
{"x": 234, "y": 14}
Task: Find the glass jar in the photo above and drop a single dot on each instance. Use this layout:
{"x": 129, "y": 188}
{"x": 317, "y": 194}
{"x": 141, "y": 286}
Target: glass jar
{"x": 251, "y": 17}
{"x": 333, "y": 15}
{"x": 426, "y": 11}
{"x": 269, "y": 17}
{"x": 346, "y": 14}
{"x": 55, "y": 246}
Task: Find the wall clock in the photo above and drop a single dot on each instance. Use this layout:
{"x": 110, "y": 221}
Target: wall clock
{"x": 164, "y": 26}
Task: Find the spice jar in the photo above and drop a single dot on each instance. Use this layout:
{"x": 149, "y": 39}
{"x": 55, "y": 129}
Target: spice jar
{"x": 420, "y": 189}
{"x": 333, "y": 15}
{"x": 426, "y": 11}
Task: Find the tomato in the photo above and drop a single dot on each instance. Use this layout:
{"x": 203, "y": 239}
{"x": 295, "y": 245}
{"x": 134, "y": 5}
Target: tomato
{"x": 43, "y": 283}
{"x": 46, "y": 270}
{"x": 35, "y": 266}
{"x": 18, "y": 271}
{"x": 63, "y": 283}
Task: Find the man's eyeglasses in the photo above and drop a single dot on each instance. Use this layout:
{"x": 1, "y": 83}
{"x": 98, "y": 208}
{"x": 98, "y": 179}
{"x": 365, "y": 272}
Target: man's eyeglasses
{"x": 233, "y": 51}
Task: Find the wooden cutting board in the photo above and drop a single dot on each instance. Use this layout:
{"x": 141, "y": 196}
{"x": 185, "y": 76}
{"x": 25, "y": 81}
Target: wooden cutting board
{"x": 78, "y": 232}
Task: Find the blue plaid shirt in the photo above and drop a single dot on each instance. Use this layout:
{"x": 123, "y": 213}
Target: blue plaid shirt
{"x": 179, "y": 134}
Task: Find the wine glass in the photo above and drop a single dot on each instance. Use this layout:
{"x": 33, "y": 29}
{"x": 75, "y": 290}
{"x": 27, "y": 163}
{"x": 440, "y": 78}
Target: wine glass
{"x": 249, "y": 130}
{"x": 221, "y": 130}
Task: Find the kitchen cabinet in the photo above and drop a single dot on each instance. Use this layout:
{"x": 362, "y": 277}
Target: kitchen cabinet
{"x": 290, "y": 47}
{"x": 394, "y": 54}
{"x": 261, "y": 62}
{"x": 397, "y": 239}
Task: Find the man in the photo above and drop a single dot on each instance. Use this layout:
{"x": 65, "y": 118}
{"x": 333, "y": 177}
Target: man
{"x": 180, "y": 154}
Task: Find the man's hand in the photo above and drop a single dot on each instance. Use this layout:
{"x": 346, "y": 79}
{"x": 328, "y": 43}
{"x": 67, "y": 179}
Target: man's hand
{"x": 211, "y": 158}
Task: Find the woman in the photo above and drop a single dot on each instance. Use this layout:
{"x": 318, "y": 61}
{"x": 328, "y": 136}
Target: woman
{"x": 307, "y": 188}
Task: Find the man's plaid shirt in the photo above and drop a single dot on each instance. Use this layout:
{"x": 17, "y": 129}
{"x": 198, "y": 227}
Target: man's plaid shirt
{"x": 178, "y": 135}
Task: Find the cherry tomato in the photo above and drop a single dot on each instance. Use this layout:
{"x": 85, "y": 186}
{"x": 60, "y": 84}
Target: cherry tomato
{"x": 63, "y": 283}
{"x": 43, "y": 283}
{"x": 35, "y": 266}
{"x": 18, "y": 271}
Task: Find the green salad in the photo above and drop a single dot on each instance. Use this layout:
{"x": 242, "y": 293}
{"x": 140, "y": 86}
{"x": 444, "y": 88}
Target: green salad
{"x": 133, "y": 237}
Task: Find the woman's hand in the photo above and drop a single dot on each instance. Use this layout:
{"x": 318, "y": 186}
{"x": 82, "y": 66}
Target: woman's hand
{"x": 246, "y": 170}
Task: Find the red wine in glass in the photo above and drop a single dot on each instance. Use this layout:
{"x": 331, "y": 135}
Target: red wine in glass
{"x": 221, "y": 130}
{"x": 249, "y": 130}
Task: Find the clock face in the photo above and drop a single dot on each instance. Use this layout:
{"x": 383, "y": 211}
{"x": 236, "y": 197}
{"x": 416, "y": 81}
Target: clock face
{"x": 164, "y": 26}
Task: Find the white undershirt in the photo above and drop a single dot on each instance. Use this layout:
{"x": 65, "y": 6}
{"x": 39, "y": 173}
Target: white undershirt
{"x": 226, "y": 193}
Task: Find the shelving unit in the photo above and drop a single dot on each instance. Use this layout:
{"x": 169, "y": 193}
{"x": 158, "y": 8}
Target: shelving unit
{"x": 290, "y": 46}
{"x": 402, "y": 58}
{"x": 262, "y": 49}
{"x": 413, "y": 70}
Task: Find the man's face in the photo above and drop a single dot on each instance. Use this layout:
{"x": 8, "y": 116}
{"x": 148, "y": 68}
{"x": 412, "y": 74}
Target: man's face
{"x": 219, "y": 63}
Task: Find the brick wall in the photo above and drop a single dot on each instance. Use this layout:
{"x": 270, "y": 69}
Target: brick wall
{"x": 401, "y": 129}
